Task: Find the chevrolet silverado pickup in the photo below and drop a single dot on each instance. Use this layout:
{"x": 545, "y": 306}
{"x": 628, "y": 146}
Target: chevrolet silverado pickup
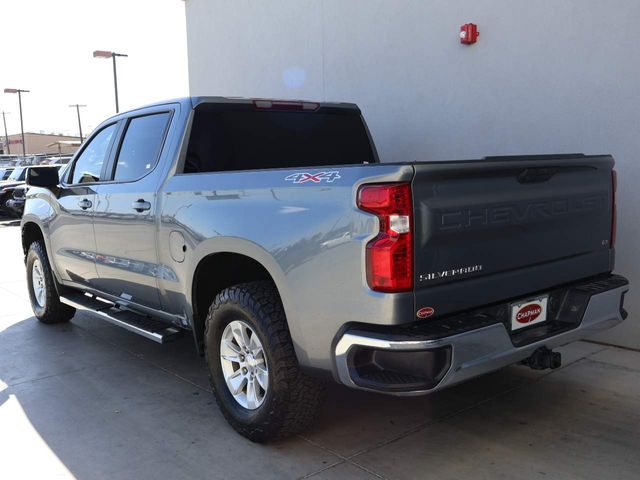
{"x": 270, "y": 231}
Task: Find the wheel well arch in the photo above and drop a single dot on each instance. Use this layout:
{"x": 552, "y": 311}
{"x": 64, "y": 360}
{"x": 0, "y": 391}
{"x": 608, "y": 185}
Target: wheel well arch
{"x": 31, "y": 232}
{"x": 214, "y": 273}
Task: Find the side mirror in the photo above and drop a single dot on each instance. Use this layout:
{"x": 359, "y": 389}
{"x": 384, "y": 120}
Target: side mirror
{"x": 46, "y": 177}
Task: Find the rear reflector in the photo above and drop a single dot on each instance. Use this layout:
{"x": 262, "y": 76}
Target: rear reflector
{"x": 389, "y": 256}
{"x": 614, "y": 208}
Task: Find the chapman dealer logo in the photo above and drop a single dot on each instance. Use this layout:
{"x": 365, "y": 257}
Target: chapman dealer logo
{"x": 304, "y": 177}
{"x": 528, "y": 313}
{"x": 425, "y": 312}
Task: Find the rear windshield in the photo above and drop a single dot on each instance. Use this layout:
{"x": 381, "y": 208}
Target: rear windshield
{"x": 247, "y": 139}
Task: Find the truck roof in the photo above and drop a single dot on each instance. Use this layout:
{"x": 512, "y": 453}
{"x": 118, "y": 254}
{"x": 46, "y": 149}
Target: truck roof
{"x": 194, "y": 101}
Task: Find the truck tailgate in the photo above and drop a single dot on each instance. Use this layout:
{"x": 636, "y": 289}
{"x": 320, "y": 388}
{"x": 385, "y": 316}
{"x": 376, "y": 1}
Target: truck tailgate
{"x": 505, "y": 227}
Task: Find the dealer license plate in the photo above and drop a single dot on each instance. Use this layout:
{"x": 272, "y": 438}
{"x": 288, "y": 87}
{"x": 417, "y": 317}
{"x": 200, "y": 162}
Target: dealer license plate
{"x": 530, "y": 312}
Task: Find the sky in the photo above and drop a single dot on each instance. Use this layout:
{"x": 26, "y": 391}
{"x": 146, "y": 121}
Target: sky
{"x": 47, "y": 48}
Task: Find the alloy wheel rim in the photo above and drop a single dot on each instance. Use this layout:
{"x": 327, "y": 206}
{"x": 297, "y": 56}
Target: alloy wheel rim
{"x": 37, "y": 280}
{"x": 244, "y": 364}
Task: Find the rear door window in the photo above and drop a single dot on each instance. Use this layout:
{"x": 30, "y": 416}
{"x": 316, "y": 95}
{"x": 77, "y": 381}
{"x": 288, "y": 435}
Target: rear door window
{"x": 141, "y": 146}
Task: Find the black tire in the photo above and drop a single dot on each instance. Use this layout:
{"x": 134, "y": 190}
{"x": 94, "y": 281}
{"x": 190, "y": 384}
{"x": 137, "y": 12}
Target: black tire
{"x": 5, "y": 212}
{"x": 9, "y": 212}
{"x": 53, "y": 311}
{"x": 292, "y": 398}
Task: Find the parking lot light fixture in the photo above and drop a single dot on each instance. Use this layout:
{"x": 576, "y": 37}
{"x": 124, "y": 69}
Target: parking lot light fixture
{"x": 6, "y": 136}
{"x": 77, "y": 107}
{"x": 19, "y": 91}
{"x": 112, "y": 55}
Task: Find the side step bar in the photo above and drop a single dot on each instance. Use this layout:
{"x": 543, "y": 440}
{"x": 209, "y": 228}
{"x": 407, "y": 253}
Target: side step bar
{"x": 147, "y": 327}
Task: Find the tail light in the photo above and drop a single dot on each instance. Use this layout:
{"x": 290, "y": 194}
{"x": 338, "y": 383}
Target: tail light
{"x": 614, "y": 209}
{"x": 389, "y": 256}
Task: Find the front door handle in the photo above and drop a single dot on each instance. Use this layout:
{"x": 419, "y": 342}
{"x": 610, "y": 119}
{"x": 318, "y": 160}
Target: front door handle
{"x": 141, "y": 205}
{"x": 84, "y": 204}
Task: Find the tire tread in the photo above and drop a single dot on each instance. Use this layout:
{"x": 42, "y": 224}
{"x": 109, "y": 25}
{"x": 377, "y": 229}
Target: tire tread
{"x": 55, "y": 311}
{"x": 298, "y": 396}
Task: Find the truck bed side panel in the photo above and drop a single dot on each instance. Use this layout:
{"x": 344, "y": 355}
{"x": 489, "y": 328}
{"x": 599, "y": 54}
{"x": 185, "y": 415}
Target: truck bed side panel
{"x": 310, "y": 236}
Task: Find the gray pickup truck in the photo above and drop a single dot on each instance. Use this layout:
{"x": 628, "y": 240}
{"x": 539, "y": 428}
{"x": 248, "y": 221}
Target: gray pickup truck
{"x": 270, "y": 231}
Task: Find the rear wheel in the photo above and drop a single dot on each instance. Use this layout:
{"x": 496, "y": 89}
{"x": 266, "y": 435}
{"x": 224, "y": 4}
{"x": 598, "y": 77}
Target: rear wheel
{"x": 253, "y": 369}
{"x": 244, "y": 364}
{"x": 43, "y": 294}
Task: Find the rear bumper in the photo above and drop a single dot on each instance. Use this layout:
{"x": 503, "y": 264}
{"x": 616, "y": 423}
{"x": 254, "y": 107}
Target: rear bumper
{"x": 455, "y": 358}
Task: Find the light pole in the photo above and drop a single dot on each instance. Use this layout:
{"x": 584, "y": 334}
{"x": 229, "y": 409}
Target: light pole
{"x": 6, "y": 136}
{"x": 19, "y": 92}
{"x": 77, "y": 107}
{"x": 112, "y": 55}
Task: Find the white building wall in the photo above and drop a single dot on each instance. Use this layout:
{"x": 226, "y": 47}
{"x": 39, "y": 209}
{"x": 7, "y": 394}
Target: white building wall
{"x": 551, "y": 76}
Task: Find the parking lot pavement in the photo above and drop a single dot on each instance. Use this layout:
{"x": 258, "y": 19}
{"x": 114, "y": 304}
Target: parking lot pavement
{"x": 91, "y": 401}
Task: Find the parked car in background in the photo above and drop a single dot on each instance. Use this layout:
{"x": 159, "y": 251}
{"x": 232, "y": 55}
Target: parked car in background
{"x": 5, "y": 172}
{"x": 15, "y": 180}
{"x": 6, "y": 159}
{"x": 58, "y": 160}
{"x": 15, "y": 205}
{"x": 17, "y": 175}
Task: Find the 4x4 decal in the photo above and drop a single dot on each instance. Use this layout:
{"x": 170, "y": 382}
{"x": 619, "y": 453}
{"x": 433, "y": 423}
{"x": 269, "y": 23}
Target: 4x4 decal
{"x": 304, "y": 177}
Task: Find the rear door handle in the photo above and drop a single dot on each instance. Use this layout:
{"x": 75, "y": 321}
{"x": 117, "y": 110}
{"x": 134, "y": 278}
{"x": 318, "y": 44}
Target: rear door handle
{"x": 141, "y": 205}
{"x": 84, "y": 204}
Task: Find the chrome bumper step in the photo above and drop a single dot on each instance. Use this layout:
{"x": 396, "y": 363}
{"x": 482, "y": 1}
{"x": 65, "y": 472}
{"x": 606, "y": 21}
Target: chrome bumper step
{"x": 466, "y": 353}
{"x": 147, "y": 327}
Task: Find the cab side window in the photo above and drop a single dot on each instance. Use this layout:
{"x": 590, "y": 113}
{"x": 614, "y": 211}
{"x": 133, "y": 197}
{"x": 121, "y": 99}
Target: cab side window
{"x": 88, "y": 166}
{"x": 141, "y": 146}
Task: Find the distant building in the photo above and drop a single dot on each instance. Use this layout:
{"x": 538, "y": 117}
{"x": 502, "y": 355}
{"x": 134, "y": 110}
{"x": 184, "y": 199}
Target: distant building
{"x": 40, "y": 143}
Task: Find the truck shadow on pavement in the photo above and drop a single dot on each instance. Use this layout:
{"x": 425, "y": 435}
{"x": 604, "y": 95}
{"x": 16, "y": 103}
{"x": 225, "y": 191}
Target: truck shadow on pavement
{"x": 90, "y": 400}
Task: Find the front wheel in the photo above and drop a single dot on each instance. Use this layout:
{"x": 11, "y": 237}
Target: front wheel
{"x": 253, "y": 369}
{"x": 43, "y": 294}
